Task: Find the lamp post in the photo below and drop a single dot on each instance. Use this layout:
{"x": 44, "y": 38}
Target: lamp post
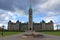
{"x": 58, "y": 27}
{"x": 2, "y": 29}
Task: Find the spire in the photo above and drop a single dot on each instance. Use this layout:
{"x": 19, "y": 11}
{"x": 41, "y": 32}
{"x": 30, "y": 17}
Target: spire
{"x": 30, "y": 6}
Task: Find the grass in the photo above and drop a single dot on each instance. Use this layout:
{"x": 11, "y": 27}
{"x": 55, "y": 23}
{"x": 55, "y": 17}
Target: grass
{"x": 52, "y": 33}
{"x": 10, "y": 33}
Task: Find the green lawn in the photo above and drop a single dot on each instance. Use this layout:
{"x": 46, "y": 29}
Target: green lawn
{"x": 52, "y": 33}
{"x": 10, "y": 33}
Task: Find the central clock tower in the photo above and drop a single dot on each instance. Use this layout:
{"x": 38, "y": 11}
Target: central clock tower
{"x": 30, "y": 23}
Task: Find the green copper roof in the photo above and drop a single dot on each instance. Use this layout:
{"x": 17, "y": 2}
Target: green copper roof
{"x": 30, "y": 6}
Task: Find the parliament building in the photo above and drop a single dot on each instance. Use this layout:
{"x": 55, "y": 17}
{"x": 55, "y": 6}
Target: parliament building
{"x": 30, "y": 25}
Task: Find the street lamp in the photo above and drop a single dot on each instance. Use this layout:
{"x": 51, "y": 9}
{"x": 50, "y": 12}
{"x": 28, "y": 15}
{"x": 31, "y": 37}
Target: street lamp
{"x": 57, "y": 27}
{"x": 2, "y": 29}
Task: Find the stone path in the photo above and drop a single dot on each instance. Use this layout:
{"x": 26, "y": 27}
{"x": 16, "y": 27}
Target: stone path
{"x": 18, "y": 37}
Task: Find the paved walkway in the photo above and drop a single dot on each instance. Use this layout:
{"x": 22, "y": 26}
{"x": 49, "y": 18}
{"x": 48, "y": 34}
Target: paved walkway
{"x": 18, "y": 37}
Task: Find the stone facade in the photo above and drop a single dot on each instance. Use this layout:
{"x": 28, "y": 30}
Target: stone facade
{"x": 24, "y": 26}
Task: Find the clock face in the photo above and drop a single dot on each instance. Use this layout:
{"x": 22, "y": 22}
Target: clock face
{"x": 30, "y": 13}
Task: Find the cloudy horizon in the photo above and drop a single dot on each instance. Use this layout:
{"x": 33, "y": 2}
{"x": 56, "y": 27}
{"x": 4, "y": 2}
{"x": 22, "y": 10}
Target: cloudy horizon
{"x": 18, "y": 10}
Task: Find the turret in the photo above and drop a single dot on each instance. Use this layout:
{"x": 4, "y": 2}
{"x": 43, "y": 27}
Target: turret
{"x": 43, "y": 21}
{"x": 18, "y": 25}
{"x": 17, "y": 21}
{"x": 51, "y": 21}
{"x": 9, "y": 21}
{"x": 9, "y": 24}
{"x": 43, "y": 25}
{"x": 51, "y": 25}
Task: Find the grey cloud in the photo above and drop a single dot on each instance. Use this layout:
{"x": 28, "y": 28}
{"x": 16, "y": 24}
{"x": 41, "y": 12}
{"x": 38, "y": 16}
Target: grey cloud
{"x": 49, "y": 6}
{"x": 21, "y": 4}
{"x": 34, "y": 2}
{"x": 6, "y": 4}
{"x": 54, "y": 8}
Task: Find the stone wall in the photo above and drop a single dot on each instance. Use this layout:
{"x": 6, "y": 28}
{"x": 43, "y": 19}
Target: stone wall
{"x": 24, "y": 26}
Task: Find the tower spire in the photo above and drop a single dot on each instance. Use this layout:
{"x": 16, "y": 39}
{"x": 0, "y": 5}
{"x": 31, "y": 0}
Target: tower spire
{"x": 30, "y": 6}
{"x": 30, "y": 23}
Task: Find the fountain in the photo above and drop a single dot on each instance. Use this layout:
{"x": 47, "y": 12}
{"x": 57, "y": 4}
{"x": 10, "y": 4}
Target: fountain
{"x": 32, "y": 35}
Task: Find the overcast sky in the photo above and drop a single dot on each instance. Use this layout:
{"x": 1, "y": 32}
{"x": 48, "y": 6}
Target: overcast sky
{"x": 18, "y": 10}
